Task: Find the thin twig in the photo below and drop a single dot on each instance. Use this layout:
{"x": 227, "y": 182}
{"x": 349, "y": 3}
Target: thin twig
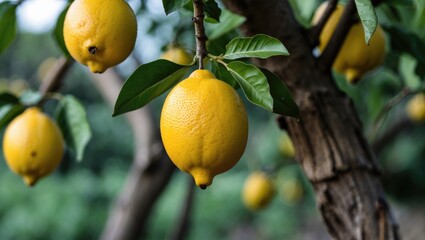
{"x": 53, "y": 80}
{"x": 201, "y": 38}
{"x": 391, "y": 133}
{"x": 387, "y": 107}
{"x": 335, "y": 43}
{"x": 315, "y": 31}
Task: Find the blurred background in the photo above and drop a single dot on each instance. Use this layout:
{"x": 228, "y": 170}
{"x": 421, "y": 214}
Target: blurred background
{"x": 74, "y": 202}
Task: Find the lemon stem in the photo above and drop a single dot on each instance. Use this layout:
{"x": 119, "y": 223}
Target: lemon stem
{"x": 201, "y": 38}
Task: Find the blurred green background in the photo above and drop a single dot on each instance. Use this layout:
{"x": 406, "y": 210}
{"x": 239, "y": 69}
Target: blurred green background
{"x": 74, "y": 202}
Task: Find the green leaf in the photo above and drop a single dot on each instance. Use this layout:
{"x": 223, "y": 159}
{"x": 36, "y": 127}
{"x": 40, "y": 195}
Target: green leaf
{"x": 7, "y": 26}
{"x": 8, "y": 112}
{"x": 212, "y": 11}
{"x": 173, "y": 5}
{"x": 253, "y": 83}
{"x": 260, "y": 46}
{"x": 223, "y": 74}
{"x": 8, "y": 98}
{"x": 72, "y": 120}
{"x": 58, "y": 32}
{"x": 368, "y": 18}
{"x": 4, "y": 6}
{"x": 146, "y": 83}
{"x": 283, "y": 103}
{"x": 30, "y": 98}
{"x": 228, "y": 22}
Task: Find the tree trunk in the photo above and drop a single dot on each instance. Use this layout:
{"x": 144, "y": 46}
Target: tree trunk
{"x": 148, "y": 176}
{"x": 329, "y": 142}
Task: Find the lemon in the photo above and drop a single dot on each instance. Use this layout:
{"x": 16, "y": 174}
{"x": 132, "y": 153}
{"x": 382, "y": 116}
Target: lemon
{"x": 415, "y": 108}
{"x": 286, "y": 147}
{"x": 258, "y": 190}
{"x": 291, "y": 190}
{"x": 204, "y": 126}
{"x": 33, "y": 145}
{"x": 355, "y": 58}
{"x": 100, "y": 33}
{"x": 178, "y": 55}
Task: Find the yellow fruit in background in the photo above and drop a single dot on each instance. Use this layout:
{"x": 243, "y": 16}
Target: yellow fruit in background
{"x": 204, "y": 126}
{"x": 18, "y": 86}
{"x": 286, "y": 147}
{"x": 415, "y": 108}
{"x": 291, "y": 190}
{"x": 178, "y": 55}
{"x": 44, "y": 68}
{"x": 355, "y": 58}
{"x": 258, "y": 190}
{"x": 33, "y": 145}
{"x": 100, "y": 33}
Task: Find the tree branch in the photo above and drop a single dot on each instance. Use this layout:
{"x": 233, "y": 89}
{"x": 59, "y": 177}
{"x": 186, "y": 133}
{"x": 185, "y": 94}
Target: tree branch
{"x": 201, "y": 38}
{"x": 53, "y": 79}
{"x": 149, "y": 174}
{"x": 183, "y": 222}
{"x": 391, "y": 133}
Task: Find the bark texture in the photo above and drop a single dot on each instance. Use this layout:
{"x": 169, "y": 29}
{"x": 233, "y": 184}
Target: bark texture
{"x": 329, "y": 141}
{"x": 147, "y": 177}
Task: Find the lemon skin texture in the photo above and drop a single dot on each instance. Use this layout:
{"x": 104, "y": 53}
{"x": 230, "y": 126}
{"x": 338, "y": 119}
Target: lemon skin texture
{"x": 355, "y": 58}
{"x": 33, "y": 145}
{"x": 204, "y": 126}
{"x": 415, "y": 108}
{"x": 177, "y": 55}
{"x": 100, "y": 33}
{"x": 258, "y": 191}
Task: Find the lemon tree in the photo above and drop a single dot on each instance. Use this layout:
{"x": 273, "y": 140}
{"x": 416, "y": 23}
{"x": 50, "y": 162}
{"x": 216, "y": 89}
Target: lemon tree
{"x": 204, "y": 123}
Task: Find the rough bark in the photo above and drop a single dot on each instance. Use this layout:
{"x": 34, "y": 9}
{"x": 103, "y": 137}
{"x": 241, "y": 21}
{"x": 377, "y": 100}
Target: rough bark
{"x": 329, "y": 141}
{"x": 148, "y": 175}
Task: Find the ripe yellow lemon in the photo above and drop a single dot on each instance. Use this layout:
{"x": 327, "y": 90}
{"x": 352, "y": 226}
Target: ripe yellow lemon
{"x": 258, "y": 190}
{"x": 33, "y": 145}
{"x": 204, "y": 126}
{"x": 100, "y": 33}
{"x": 178, "y": 55}
{"x": 415, "y": 108}
{"x": 286, "y": 147}
{"x": 355, "y": 58}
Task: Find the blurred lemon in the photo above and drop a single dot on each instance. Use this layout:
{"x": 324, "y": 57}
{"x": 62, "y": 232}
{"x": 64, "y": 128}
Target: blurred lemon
{"x": 291, "y": 190}
{"x": 33, "y": 145}
{"x": 415, "y": 108}
{"x": 355, "y": 58}
{"x": 286, "y": 147}
{"x": 258, "y": 191}
{"x": 178, "y": 55}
